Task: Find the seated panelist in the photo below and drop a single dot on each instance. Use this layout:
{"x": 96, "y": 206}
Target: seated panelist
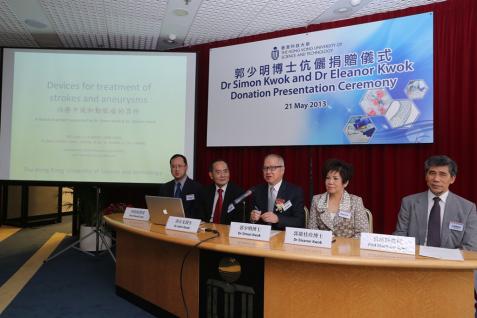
{"x": 218, "y": 197}
{"x": 337, "y": 210}
{"x": 183, "y": 187}
{"x": 277, "y": 202}
{"x": 439, "y": 217}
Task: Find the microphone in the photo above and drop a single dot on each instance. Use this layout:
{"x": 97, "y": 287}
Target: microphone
{"x": 245, "y": 195}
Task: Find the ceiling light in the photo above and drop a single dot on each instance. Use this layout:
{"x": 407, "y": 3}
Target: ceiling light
{"x": 355, "y": 3}
{"x": 35, "y": 24}
{"x": 180, "y": 12}
{"x": 172, "y": 38}
{"x": 342, "y": 10}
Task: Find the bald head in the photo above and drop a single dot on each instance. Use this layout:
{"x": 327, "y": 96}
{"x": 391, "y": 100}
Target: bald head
{"x": 277, "y": 157}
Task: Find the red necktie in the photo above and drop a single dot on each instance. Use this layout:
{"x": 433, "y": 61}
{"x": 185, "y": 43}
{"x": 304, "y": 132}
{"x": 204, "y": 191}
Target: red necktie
{"x": 218, "y": 207}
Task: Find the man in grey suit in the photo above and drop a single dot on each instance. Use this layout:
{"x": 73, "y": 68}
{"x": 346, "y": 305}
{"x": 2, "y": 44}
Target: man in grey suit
{"x": 439, "y": 217}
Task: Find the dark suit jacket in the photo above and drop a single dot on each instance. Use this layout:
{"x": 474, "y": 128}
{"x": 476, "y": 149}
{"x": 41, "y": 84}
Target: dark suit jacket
{"x": 233, "y": 192}
{"x": 192, "y": 207}
{"x": 294, "y": 216}
{"x": 412, "y": 221}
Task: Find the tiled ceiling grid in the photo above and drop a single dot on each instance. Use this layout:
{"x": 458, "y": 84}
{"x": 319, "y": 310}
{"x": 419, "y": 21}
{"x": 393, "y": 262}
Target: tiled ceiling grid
{"x": 378, "y": 6}
{"x": 283, "y": 14}
{"x": 78, "y": 23}
{"x": 117, "y": 24}
{"x": 12, "y": 30}
{"x": 222, "y": 19}
{"x": 136, "y": 24}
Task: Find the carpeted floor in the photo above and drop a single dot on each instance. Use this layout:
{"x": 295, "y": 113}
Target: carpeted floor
{"x": 73, "y": 284}
{"x": 18, "y": 248}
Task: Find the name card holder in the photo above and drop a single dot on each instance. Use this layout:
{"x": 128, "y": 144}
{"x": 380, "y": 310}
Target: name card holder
{"x": 138, "y": 224}
{"x": 258, "y": 232}
{"x": 136, "y": 214}
{"x": 307, "y": 237}
{"x": 183, "y": 224}
{"x": 388, "y": 243}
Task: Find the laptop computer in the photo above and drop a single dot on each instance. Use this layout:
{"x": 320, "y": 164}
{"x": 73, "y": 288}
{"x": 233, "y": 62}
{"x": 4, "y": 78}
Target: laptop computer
{"x": 160, "y": 208}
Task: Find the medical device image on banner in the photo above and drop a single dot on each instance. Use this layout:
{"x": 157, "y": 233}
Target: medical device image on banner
{"x": 363, "y": 84}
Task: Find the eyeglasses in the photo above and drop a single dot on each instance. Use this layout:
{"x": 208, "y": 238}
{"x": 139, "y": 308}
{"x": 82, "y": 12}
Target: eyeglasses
{"x": 271, "y": 168}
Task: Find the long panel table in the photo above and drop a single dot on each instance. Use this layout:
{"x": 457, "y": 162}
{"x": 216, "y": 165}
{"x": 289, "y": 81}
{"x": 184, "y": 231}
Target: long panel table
{"x": 298, "y": 281}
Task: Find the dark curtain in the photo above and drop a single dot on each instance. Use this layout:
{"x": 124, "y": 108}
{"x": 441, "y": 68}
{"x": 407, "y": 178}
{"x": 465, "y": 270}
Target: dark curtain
{"x": 383, "y": 173}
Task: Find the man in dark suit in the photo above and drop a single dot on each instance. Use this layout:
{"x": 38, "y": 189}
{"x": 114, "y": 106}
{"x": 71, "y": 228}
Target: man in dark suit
{"x": 439, "y": 217}
{"x": 218, "y": 197}
{"x": 183, "y": 187}
{"x": 277, "y": 202}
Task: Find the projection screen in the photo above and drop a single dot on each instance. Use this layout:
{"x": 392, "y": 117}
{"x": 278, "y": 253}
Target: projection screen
{"x": 95, "y": 116}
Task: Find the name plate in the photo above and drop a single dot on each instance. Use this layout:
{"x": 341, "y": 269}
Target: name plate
{"x": 183, "y": 224}
{"x": 249, "y": 231}
{"x": 136, "y": 214}
{"x": 316, "y": 238}
{"x": 388, "y": 243}
{"x": 138, "y": 224}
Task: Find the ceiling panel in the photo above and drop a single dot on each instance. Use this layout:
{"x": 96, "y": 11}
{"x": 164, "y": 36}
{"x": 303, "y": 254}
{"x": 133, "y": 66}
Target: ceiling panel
{"x": 134, "y": 24}
{"x": 13, "y": 31}
{"x": 79, "y": 23}
{"x": 286, "y": 14}
{"x": 223, "y": 19}
{"x": 391, "y": 5}
{"x": 155, "y": 24}
{"x": 117, "y": 24}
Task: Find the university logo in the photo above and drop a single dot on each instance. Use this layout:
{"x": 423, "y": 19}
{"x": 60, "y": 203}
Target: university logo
{"x": 275, "y": 53}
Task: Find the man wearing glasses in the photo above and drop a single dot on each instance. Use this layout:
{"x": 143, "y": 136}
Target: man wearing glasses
{"x": 183, "y": 187}
{"x": 277, "y": 202}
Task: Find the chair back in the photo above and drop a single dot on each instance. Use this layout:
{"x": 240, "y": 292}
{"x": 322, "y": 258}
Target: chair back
{"x": 370, "y": 220}
{"x": 307, "y": 213}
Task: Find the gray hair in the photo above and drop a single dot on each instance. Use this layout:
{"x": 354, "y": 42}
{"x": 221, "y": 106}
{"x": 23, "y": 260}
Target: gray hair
{"x": 440, "y": 161}
{"x": 280, "y": 158}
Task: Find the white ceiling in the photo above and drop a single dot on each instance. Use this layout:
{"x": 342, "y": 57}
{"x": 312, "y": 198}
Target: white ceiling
{"x": 151, "y": 24}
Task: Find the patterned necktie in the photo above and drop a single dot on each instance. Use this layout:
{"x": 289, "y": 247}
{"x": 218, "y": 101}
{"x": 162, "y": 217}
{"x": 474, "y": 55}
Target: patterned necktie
{"x": 218, "y": 207}
{"x": 434, "y": 225}
{"x": 177, "y": 192}
{"x": 271, "y": 199}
